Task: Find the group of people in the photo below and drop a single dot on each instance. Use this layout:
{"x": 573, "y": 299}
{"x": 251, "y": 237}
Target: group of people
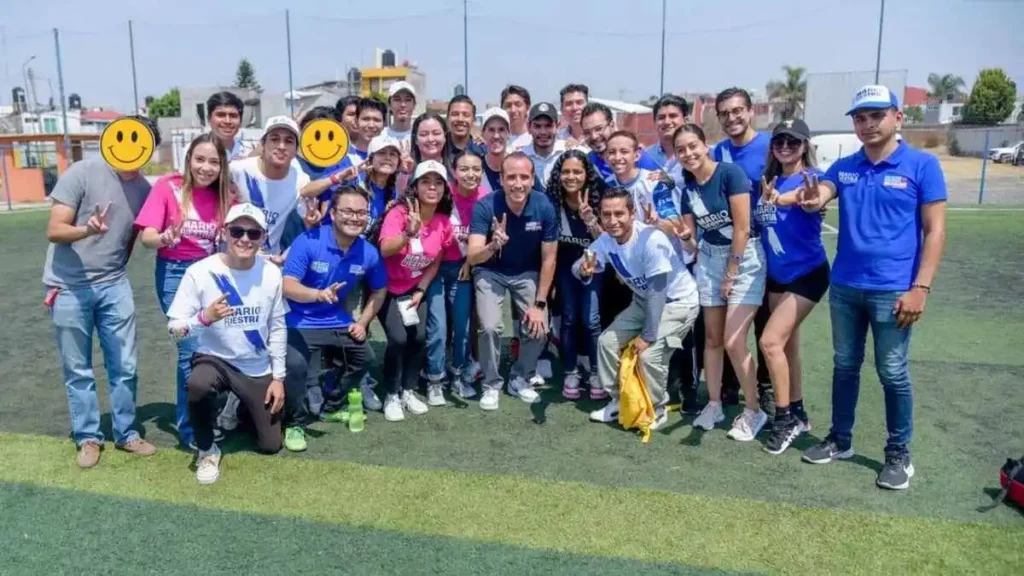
{"x": 270, "y": 270}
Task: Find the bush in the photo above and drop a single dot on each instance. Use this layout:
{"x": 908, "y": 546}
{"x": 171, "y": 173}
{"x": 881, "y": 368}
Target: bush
{"x": 931, "y": 141}
{"x": 954, "y": 147}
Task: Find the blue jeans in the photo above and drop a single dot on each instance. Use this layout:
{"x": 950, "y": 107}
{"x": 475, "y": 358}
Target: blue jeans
{"x": 168, "y": 277}
{"x": 853, "y": 311}
{"x": 581, "y": 316}
{"x": 448, "y": 295}
{"x": 107, "y": 309}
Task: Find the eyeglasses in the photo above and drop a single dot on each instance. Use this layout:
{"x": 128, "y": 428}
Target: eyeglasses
{"x": 354, "y": 214}
{"x": 253, "y": 234}
{"x": 786, "y": 142}
{"x": 738, "y": 111}
{"x": 595, "y": 130}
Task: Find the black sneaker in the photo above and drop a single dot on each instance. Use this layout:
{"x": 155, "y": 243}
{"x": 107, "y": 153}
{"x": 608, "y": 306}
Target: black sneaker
{"x": 766, "y": 398}
{"x": 689, "y": 404}
{"x": 784, "y": 431}
{"x": 827, "y": 451}
{"x": 801, "y": 415}
{"x": 896, "y": 473}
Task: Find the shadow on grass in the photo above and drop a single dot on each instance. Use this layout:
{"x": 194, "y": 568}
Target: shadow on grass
{"x": 997, "y": 499}
{"x": 159, "y": 413}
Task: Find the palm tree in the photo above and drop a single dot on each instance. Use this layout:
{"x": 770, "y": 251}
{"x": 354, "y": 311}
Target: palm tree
{"x": 945, "y": 88}
{"x": 792, "y": 91}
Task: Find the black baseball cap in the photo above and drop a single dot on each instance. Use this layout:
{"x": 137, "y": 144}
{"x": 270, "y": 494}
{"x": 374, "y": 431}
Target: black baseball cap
{"x": 543, "y": 109}
{"x": 794, "y": 127}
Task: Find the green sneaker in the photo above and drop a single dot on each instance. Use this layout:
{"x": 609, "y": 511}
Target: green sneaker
{"x": 357, "y": 423}
{"x": 337, "y": 417}
{"x": 295, "y": 439}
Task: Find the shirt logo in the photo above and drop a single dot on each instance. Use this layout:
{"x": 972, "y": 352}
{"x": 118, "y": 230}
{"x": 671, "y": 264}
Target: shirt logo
{"x": 356, "y": 270}
{"x": 848, "y": 177}
{"x": 532, "y": 227}
{"x": 894, "y": 181}
{"x": 319, "y": 267}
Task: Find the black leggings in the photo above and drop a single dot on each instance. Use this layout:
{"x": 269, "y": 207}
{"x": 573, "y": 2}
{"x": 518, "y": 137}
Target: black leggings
{"x": 407, "y": 349}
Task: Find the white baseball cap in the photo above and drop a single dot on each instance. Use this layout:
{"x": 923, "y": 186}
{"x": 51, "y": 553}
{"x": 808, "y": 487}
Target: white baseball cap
{"x": 492, "y": 113}
{"x": 398, "y": 87}
{"x": 382, "y": 141}
{"x": 280, "y": 122}
{"x": 430, "y": 166}
{"x": 873, "y": 97}
{"x": 249, "y": 211}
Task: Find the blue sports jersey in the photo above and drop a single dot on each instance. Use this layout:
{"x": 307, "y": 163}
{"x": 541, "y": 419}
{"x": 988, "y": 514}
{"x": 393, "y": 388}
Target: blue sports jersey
{"x": 606, "y": 172}
{"x": 791, "y": 237}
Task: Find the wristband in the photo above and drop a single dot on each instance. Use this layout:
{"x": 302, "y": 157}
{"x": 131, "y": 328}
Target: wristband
{"x": 736, "y": 257}
{"x": 927, "y": 289}
{"x": 202, "y": 318}
{"x": 336, "y": 178}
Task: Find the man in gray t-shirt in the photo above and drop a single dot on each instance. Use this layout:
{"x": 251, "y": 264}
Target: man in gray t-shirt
{"x": 91, "y": 233}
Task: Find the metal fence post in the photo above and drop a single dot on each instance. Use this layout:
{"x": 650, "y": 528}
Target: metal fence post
{"x": 4, "y": 178}
{"x": 288, "y": 35}
{"x": 135, "y": 80}
{"x": 984, "y": 167}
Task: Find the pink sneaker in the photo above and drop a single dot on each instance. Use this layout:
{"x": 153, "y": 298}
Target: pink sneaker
{"x": 598, "y": 393}
{"x": 571, "y": 386}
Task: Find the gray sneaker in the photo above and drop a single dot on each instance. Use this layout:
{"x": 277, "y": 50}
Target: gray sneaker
{"x": 896, "y": 473}
{"x": 370, "y": 400}
{"x": 827, "y": 451}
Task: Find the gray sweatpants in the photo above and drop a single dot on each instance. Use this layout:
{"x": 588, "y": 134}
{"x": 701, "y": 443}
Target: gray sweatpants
{"x": 490, "y": 290}
{"x": 677, "y": 320}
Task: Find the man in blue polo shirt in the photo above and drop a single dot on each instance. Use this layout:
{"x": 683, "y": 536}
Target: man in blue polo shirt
{"x": 892, "y": 228}
{"x": 748, "y": 149}
{"x": 598, "y": 125}
{"x": 513, "y": 242}
{"x": 324, "y": 277}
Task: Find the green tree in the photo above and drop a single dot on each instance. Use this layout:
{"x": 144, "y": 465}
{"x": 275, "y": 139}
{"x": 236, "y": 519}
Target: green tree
{"x": 991, "y": 99}
{"x": 791, "y": 91}
{"x": 913, "y": 115}
{"x": 166, "y": 106}
{"x": 245, "y": 76}
{"x": 381, "y": 96}
{"x": 945, "y": 87}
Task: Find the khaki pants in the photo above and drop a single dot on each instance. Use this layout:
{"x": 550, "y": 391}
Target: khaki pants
{"x": 677, "y": 319}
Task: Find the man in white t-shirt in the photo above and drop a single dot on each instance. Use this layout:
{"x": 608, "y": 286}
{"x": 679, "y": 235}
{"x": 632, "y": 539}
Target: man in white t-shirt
{"x": 272, "y": 180}
{"x": 401, "y": 102}
{"x": 574, "y": 98}
{"x": 232, "y": 302}
{"x": 224, "y": 116}
{"x": 515, "y": 101}
{"x": 544, "y": 148}
{"x": 664, "y": 307}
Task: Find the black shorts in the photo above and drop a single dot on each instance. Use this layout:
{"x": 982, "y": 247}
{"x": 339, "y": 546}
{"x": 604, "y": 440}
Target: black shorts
{"x": 811, "y": 285}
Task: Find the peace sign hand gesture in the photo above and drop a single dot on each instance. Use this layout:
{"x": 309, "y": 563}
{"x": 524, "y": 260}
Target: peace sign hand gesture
{"x": 499, "y": 237}
{"x": 586, "y": 212}
{"x": 329, "y": 295}
{"x": 589, "y": 265}
{"x": 217, "y": 311}
{"x": 406, "y": 163}
{"x": 650, "y": 214}
{"x": 684, "y": 232}
{"x": 809, "y": 196}
{"x": 412, "y": 218}
{"x": 313, "y": 216}
{"x": 97, "y": 223}
{"x": 769, "y": 195}
{"x": 171, "y": 236}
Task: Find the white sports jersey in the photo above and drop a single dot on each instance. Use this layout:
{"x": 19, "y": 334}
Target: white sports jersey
{"x": 253, "y": 338}
{"x": 647, "y": 253}
{"x": 277, "y": 198}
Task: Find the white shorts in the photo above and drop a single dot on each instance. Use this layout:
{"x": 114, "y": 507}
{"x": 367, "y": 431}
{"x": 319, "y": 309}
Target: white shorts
{"x": 749, "y": 285}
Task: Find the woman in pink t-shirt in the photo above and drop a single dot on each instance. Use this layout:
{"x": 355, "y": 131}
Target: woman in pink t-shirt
{"x": 181, "y": 219}
{"x": 413, "y": 238}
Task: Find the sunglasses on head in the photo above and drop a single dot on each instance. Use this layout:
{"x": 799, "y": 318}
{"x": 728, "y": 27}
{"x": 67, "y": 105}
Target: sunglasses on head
{"x": 786, "y": 142}
{"x": 237, "y": 232}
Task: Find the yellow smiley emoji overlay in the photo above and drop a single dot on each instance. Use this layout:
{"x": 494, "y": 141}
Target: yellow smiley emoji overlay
{"x": 323, "y": 143}
{"x": 126, "y": 144}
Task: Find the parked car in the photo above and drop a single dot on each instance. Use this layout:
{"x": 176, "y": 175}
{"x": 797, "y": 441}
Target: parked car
{"x": 1007, "y": 154}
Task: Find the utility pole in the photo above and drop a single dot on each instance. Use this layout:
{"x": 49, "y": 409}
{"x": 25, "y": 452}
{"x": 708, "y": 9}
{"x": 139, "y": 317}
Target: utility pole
{"x": 878, "y": 54}
{"x": 664, "y": 9}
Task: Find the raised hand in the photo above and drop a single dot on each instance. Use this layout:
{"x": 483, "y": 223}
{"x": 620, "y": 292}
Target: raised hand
{"x": 218, "y": 310}
{"x": 329, "y": 295}
{"x": 809, "y": 197}
{"x": 313, "y": 216}
{"x": 650, "y": 214}
{"x": 171, "y": 236}
{"x": 413, "y": 223}
{"x": 499, "y": 237}
{"x": 589, "y": 265}
{"x": 586, "y": 212}
{"x": 769, "y": 195}
{"x": 406, "y": 164}
{"x": 684, "y": 232}
{"x": 97, "y": 223}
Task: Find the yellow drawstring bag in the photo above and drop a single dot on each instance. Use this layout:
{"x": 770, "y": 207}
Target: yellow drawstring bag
{"x": 635, "y": 407}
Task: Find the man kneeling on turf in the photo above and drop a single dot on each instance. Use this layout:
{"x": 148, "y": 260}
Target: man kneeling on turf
{"x": 233, "y": 303}
{"x": 664, "y": 307}
{"x": 324, "y": 277}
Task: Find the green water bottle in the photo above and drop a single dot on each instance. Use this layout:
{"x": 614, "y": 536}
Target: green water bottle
{"x": 356, "y": 416}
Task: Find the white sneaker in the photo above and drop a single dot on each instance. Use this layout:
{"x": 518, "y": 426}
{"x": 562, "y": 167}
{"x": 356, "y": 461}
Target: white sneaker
{"x": 462, "y": 388}
{"x": 660, "y": 418}
{"x": 370, "y": 399}
{"x": 489, "y": 401}
{"x": 610, "y": 413}
{"x": 393, "y": 409}
{"x": 208, "y": 466}
{"x": 412, "y": 403}
{"x": 228, "y": 418}
{"x": 746, "y": 426}
{"x": 711, "y": 414}
{"x": 435, "y": 394}
{"x": 537, "y": 380}
{"x": 523, "y": 390}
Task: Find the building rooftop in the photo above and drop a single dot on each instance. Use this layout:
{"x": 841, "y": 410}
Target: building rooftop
{"x": 620, "y": 106}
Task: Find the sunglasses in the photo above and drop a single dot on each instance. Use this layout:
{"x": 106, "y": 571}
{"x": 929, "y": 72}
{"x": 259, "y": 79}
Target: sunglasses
{"x": 786, "y": 142}
{"x": 253, "y": 234}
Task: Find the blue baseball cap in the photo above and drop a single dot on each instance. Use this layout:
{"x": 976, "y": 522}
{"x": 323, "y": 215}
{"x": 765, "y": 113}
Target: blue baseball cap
{"x": 873, "y": 97}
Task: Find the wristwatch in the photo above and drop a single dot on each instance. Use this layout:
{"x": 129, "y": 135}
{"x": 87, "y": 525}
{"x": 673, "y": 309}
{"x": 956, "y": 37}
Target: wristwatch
{"x": 540, "y": 304}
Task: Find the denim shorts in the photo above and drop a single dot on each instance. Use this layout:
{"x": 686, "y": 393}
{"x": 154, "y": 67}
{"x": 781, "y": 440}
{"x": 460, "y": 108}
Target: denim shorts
{"x": 749, "y": 285}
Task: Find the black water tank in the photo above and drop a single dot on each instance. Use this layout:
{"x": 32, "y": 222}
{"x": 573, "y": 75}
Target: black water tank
{"x": 18, "y": 99}
{"x": 460, "y": 90}
{"x": 387, "y": 59}
{"x": 75, "y": 102}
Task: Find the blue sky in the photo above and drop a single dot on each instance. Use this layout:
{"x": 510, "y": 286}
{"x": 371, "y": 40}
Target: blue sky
{"x": 611, "y": 45}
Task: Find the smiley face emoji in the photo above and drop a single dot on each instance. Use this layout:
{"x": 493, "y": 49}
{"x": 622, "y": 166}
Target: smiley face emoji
{"x": 126, "y": 144}
{"x": 323, "y": 143}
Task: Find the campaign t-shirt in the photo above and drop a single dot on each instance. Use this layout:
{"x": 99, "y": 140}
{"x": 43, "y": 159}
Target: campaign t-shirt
{"x": 277, "y": 198}
{"x": 315, "y": 173}
{"x": 606, "y": 172}
{"x": 100, "y": 258}
{"x": 253, "y": 338}
{"x": 316, "y": 261}
{"x": 791, "y": 237}
{"x": 880, "y": 228}
{"x": 379, "y": 198}
{"x": 652, "y": 187}
{"x": 526, "y": 232}
{"x": 709, "y": 203}
{"x": 406, "y": 267}
{"x": 751, "y": 157}
{"x": 462, "y": 217}
{"x": 666, "y": 160}
{"x": 646, "y": 254}
{"x": 573, "y": 235}
{"x": 200, "y": 226}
